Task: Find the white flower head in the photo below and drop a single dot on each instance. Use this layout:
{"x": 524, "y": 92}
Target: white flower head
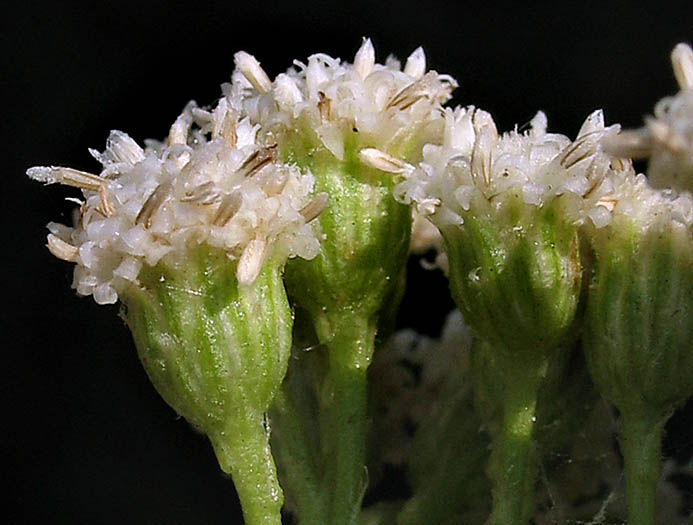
{"x": 333, "y": 98}
{"x": 474, "y": 161}
{"x": 213, "y": 182}
{"x": 667, "y": 138}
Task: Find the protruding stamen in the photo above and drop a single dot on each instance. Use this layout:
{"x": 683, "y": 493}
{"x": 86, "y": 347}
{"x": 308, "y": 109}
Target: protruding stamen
{"x": 416, "y": 64}
{"x": 250, "y": 67}
{"x": 229, "y": 206}
{"x": 315, "y": 207}
{"x": 364, "y": 61}
{"x": 153, "y": 203}
{"x": 66, "y": 176}
{"x": 61, "y": 249}
{"x": 228, "y": 129}
{"x": 380, "y": 160}
{"x": 178, "y": 133}
{"x": 251, "y": 261}
{"x": 105, "y": 207}
{"x": 324, "y": 106}
{"x": 633, "y": 144}
{"x": 682, "y": 60}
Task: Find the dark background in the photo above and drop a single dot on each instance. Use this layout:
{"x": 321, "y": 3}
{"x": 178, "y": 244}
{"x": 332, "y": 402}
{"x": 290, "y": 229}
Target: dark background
{"x": 85, "y": 439}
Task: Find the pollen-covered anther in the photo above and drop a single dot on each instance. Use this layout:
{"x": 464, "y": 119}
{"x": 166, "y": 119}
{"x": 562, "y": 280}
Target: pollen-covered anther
{"x": 666, "y": 136}
{"x": 315, "y": 207}
{"x": 251, "y": 261}
{"x": 61, "y": 249}
{"x": 324, "y": 106}
{"x": 250, "y": 67}
{"x": 380, "y": 160}
{"x": 682, "y": 60}
{"x": 153, "y": 203}
{"x": 229, "y": 206}
{"x": 67, "y": 177}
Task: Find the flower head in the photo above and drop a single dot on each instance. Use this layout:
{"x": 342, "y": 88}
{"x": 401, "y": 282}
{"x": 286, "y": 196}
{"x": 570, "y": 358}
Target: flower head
{"x": 382, "y": 103}
{"x": 212, "y": 182}
{"x": 476, "y": 164}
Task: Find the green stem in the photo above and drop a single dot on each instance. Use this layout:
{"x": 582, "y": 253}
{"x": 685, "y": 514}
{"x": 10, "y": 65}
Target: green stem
{"x": 297, "y": 457}
{"x": 641, "y": 444}
{"x": 243, "y": 451}
{"x": 513, "y": 458}
{"x": 350, "y": 349}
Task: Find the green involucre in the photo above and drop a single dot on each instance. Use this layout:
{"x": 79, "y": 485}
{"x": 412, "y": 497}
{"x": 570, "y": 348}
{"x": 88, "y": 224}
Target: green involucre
{"x": 639, "y": 316}
{"x": 515, "y": 272}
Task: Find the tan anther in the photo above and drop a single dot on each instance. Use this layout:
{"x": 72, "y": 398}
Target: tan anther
{"x": 105, "y": 207}
{"x": 229, "y": 206}
{"x": 258, "y": 160}
{"x": 153, "y": 203}
{"x": 315, "y": 207}
{"x": 228, "y": 129}
{"x": 324, "y": 106}
{"x": 61, "y": 249}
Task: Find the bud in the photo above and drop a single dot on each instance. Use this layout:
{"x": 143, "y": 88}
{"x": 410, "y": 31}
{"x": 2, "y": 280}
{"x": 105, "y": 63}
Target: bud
{"x": 192, "y": 235}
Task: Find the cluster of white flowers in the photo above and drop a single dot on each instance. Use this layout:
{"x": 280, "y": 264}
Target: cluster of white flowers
{"x": 475, "y": 161}
{"x": 214, "y": 182}
{"x": 384, "y": 104}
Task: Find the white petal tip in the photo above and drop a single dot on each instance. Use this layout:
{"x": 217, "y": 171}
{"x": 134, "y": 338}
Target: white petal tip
{"x": 682, "y": 61}
{"x": 250, "y": 67}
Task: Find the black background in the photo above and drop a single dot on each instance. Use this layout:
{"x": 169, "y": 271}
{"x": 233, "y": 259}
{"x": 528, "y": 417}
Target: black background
{"x": 85, "y": 439}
